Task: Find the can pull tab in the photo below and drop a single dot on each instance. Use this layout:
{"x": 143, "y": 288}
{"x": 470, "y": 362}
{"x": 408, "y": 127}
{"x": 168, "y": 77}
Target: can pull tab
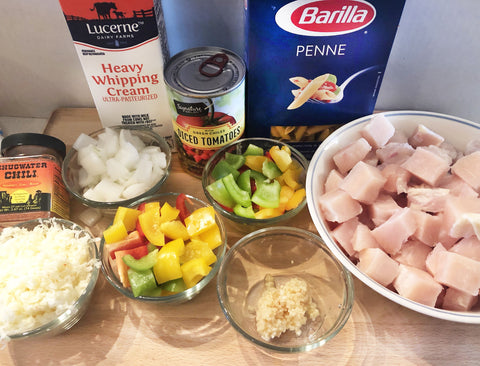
{"x": 216, "y": 62}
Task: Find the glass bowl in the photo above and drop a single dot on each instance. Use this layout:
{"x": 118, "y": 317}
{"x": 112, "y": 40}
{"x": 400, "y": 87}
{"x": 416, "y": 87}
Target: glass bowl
{"x": 284, "y": 252}
{"x": 71, "y": 167}
{"x": 192, "y": 204}
{"x": 457, "y": 131}
{"x": 69, "y": 317}
{"x": 245, "y": 224}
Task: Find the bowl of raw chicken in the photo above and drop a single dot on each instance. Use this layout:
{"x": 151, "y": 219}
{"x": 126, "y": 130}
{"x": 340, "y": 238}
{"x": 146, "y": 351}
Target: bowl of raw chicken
{"x": 394, "y": 196}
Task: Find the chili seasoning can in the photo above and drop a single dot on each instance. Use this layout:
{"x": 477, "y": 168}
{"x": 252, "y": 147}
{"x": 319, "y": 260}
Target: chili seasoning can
{"x": 206, "y": 92}
{"x": 31, "y": 184}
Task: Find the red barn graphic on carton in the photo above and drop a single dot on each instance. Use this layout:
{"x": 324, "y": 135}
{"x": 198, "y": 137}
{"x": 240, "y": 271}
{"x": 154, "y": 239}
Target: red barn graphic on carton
{"x": 120, "y": 50}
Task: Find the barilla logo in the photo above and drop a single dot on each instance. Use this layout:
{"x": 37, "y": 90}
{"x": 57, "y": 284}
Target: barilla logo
{"x": 325, "y": 17}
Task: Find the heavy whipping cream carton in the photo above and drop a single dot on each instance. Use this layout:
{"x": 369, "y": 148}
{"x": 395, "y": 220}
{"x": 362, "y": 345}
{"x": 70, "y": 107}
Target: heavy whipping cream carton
{"x": 315, "y": 65}
{"x": 120, "y": 50}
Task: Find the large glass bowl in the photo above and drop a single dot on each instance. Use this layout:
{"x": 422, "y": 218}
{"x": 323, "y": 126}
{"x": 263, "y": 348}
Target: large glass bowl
{"x": 245, "y": 224}
{"x": 72, "y": 315}
{"x": 192, "y": 204}
{"x": 284, "y": 252}
{"x": 71, "y": 167}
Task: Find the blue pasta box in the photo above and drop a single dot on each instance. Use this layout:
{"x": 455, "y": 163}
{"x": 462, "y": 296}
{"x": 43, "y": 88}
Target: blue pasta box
{"x": 313, "y": 66}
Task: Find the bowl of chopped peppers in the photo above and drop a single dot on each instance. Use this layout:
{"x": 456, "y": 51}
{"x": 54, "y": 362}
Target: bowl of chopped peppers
{"x": 256, "y": 182}
{"x": 163, "y": 248}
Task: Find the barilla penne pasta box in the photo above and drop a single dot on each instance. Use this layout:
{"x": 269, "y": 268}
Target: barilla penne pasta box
{"x": 120, "y": 51}
{"x": 315, "y": 65}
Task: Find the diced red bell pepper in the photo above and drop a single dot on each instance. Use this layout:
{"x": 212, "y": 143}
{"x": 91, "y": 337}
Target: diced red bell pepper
{"x": 133, "y": 240}
{"x": 180, "y": 205}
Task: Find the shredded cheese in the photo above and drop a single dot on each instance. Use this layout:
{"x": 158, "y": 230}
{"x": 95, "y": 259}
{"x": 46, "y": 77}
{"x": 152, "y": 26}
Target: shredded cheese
{"x": 43, "y": 271}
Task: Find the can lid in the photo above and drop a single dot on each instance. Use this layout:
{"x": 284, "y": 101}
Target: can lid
{"x": 202, "y": 71}
{"x": 20, "y": 139}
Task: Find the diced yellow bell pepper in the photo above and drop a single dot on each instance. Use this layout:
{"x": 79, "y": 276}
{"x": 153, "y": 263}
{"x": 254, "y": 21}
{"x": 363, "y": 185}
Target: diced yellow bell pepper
{"x": 286, "y": 192}
{"x": 198, "y": 249}
{"x": 174, "y": 229}
{"x": 167, "y": 267}
{"x": 211, "y": 236}
{"x": 281, "y": 157}
{"x": 115, "y": 232}
{"x": 194, "y": 270}
{"x": 128, "y": 216}
{"x": 150, "y": 224}
{"x": 290, "y": 177}
{"x": 168, "y": 213}
{"x": 154, "y": 205}
{"x": 296, "y": 199}
{"x": 176, "y": 246}
{"x": 255, "y": 162}
{"x": 200, "y": 220}
{"x": 267, "y": 213}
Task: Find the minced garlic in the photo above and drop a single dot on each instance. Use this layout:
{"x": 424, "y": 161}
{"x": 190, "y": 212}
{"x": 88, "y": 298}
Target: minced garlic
{"x": 283, "y": 308}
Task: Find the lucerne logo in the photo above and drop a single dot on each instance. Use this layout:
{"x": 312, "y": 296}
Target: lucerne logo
{"x": 325, "y": 17}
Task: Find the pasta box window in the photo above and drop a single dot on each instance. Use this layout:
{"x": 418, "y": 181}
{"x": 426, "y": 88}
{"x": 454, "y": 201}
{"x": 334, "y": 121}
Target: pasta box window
{"x": 315, "y": 65}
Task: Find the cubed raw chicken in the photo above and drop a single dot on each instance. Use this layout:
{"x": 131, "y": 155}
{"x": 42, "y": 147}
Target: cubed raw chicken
{"x": 426, "y": 165}
{"x": 343, "y": 234}
{"x": 468, "y": 247}
{"x": 397, "y": 178}
{"x": 413, "y": 253}
{"x": 467, "y": 225}
{"x": 363, "y": 183}
{"x": 382, "y": 209}
{"x": 396, "y": 230}
{"x": 458, "y": 271}
{"x": 428, "y": 227}
{"x": 376, "y": 264}
{"x": 468, "y": 168}
{"x": 339, "y": 206}
{"x": 363, "y": 238}
{"x": 427, "y": 199}
{"x": 423, "y": 136}
{"x": 394, "y": 153}
{"x": 334, "y": 178}
{"x": 455, "y": 208}
{"x": 457, "y": 186}
{"x": 417, "y": 285}
{"x": 350, "y": 155}
{"x": 433, "y": 258}
{"x": 458, "y": 300}
{"x": 378, "y": 131}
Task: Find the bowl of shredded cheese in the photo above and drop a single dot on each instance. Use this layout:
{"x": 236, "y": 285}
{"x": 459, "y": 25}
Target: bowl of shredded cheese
{"x": 282, "y": 289}
{"x": 48, "y": 271}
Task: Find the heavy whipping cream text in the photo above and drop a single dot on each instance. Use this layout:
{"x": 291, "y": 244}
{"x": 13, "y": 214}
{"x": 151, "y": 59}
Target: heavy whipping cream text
{"x": 119, "y": 47}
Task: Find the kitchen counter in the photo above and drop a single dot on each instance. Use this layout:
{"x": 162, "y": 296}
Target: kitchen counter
{"x": 119, "y": 331}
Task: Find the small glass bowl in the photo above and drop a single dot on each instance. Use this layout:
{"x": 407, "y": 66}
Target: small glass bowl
{"x": 70, "y": 317}
{"x": 245, "y": 224}
{"x": 70, "y": 167}
{"x": 284, "y": 252}
{"x": 192, "y": 204}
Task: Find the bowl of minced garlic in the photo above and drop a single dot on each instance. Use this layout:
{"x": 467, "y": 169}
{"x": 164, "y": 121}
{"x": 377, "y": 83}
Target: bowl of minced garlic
{"x": 281, "y": 288}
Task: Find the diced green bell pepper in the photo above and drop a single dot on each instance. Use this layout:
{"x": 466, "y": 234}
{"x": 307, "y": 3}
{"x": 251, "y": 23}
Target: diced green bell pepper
{"x": 258, "y": 177}
{"x": 239, "y": 195}
{"x": 267, "y": 194}
{"x": 222, "y": 169}
{"x": 270, "y": 169}
{"x": 141, "y": 264}
{"x": 220, "y": 194}
{"x": 235, "y": 160}
{"x": 141, "y": 281}
{"x": 174, "y": 286}
{"x": 253, "y": 150}
{"x": 248, "y": 212}
{"x": 243, "y": 181}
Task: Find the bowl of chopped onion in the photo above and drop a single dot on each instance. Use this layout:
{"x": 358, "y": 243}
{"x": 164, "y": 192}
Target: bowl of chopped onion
{"x": 116, "y": 166}
{"x": 51, "y": 267}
